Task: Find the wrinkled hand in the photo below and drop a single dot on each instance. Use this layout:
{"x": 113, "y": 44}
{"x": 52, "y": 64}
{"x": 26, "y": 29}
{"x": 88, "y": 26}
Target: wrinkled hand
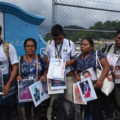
{"x": 19, "y": 78}
{"x": 43, "y": 78}
{"x": 98, "y": 84}
{"x": 6, "y": 89}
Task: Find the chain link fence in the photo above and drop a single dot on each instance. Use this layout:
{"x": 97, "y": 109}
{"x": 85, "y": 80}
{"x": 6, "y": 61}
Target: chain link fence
{"x": 88, "y": 18}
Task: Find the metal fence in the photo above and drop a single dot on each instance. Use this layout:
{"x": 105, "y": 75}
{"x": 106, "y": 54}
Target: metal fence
{"x": 87, "y": 18}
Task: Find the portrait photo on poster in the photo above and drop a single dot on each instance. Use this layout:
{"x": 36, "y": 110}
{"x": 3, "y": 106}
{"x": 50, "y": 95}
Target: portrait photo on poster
{"x": 77, "y": 95}
{"x": 89, "y": 73}
{"x": 87, "y": 90}
{"x": 24, "y": 94}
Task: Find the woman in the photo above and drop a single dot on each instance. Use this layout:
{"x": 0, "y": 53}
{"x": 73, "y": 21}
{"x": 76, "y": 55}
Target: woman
{"x": 87, "y": 59}
{"x": 8, "y": 72}
{"x": 32, "y": 66}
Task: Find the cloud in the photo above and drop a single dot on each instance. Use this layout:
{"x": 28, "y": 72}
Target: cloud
{"x": 70, "y": 15}
{"x": 37, "y": 7}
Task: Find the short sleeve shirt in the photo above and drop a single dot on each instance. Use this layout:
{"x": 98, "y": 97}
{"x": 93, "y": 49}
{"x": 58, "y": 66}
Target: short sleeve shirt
{"x": 29, "y": 69}
{"x": 3, "y": 58}
{"x": 89, "y": 62}
{"x": 67, "y": 51}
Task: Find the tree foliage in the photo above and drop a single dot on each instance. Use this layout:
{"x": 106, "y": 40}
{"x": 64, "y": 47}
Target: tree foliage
{"x": 75, "y": 35}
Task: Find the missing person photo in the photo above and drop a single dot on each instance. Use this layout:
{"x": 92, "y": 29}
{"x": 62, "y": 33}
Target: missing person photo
{"x": 36, "y": 94}
{"x": 117, "y": 74}
{"x": 24, "y": 94}
{"x": 77, "y": 95}
{"x": 87, "y": 90}
{"x": 89, "y": 73}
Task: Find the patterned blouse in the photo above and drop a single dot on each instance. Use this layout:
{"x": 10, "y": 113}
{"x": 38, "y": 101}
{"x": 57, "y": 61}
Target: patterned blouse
{"x": 82, "y": 65}
{"x": 29, "y": 69}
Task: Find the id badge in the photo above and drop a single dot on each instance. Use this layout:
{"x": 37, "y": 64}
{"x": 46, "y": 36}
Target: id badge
{"x": 31, "y": 77}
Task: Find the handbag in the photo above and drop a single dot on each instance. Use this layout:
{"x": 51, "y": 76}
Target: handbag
{"x": 107, "y": 86}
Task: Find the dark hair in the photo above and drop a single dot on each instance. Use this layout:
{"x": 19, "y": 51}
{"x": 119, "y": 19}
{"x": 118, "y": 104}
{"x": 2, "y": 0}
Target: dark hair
{"x": 118, "y": 32}
{"x": 57, "y": 30}
{"x": 89, "y": 40}
{"x": 86, "y": 72}
{"x": 30, "y": 39}
{"x": 0, "y": 28}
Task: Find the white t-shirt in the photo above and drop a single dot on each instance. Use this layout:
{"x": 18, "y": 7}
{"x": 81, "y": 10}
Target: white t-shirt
{"x": 3, "y": 58}
{"x": 67, "y": 51}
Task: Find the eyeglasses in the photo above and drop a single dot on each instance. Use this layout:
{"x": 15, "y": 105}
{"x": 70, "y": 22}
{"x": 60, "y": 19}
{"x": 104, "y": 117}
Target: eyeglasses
{"x": 30, "y": 46}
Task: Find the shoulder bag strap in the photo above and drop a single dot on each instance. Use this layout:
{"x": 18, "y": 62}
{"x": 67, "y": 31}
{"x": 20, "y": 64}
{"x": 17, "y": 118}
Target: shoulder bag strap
{"x": 36, "y": 67}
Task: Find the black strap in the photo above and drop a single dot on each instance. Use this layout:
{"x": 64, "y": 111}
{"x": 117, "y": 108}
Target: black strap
{"x": 21, "y": 59}
{"x": 106, "y": 48}
{"x": 58, "y": 55}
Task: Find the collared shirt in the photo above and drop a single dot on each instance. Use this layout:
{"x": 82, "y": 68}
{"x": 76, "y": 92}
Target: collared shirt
{"x": 3, "y": 58}
{"x": 89, "y": 62}
{"x": 67, "y": 51}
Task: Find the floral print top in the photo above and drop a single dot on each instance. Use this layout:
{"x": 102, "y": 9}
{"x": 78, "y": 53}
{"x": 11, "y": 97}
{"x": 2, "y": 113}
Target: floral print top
{"x": 29, "y": 69}
{"x": 82, "y": 65}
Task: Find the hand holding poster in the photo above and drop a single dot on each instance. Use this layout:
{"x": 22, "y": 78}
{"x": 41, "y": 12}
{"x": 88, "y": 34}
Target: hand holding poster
{"x": 23, "y": 90}
{"x": 87, "y": 90}
{"x": 38, "y": 93}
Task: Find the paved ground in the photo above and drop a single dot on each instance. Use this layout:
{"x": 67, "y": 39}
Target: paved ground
{"x": 19, "y": 115}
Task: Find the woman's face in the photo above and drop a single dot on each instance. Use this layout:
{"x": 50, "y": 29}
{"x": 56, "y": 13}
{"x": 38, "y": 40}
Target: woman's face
{"x": 30, "y": 48}
{"x": 85, "y": 46}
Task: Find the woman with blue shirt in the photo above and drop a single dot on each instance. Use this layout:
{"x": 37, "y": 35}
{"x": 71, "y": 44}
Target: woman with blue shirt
{"x": 32, "y": 66}
{"x": 87, "y": 59}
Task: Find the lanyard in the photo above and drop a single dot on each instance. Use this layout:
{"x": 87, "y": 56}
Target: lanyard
{"x": 58, "y": 54}
{"x": 29, "y": 65}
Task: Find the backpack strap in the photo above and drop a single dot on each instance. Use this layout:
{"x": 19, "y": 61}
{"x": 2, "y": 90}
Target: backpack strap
{"x": 6, "y": 49}
{"x": 106, "y": 49}
{"x": 69, "y": 43}
{"x": 47, "y": 46}
{"x": 109, "y": 47}
{"x": 20, "y": 65}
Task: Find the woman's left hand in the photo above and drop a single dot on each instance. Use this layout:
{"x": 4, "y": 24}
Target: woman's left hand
{"x": 98, "y": 84}
{"x": 43, "y": 78}
{"x": 6, "y": 89}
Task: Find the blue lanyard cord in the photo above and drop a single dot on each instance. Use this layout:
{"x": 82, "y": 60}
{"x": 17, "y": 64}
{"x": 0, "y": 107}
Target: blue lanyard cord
{"x": 30, "y": 64}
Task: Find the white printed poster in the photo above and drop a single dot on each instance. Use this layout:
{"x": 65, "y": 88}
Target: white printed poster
{"x": 56, "y": 69}
{"x": 24, "y": 94}
{"x": 55, "y": 91}
{"x": 38, "y": 93}
{"x": 87, "y": 90}
{"x": 77, "y": 95}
